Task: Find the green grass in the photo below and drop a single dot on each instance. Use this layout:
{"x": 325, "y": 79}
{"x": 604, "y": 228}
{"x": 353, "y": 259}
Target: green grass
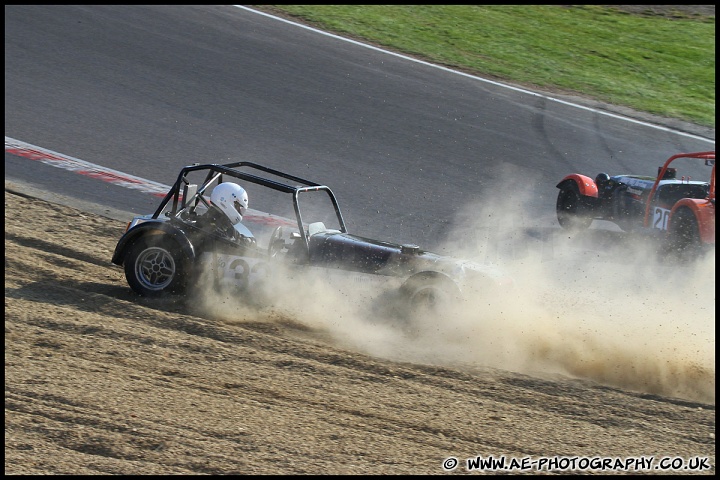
{"x": 656, "y": 64}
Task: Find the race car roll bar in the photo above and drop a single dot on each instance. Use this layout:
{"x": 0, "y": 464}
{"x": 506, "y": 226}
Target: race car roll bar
{"x": 216, "y": 171}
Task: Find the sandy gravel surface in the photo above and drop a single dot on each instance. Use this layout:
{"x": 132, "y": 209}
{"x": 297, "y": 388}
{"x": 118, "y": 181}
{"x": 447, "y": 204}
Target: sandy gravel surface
{"x": 98, "y": 381}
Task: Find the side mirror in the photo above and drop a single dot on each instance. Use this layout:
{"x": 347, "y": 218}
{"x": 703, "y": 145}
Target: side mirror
{"x": 189, "y": 191}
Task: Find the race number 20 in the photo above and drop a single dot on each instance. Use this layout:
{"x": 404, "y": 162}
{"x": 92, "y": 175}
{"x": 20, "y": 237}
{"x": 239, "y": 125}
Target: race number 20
{"x": 660, "y": 218}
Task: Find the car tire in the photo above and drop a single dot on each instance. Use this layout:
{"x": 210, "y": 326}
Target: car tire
{"x": 572, "y": 213}
{"x": 683, "y": 233}
{"x": 428, "y": 294}
{"x": 155, "y": 267}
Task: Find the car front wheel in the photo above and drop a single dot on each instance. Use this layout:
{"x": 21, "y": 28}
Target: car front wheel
{"x": 155, "y": 266}
{"x": 572, "y": 214}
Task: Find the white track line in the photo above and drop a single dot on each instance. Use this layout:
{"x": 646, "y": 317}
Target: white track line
{"x": 582, "y": 107}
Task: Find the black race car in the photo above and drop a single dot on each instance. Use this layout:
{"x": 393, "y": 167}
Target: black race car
{"x": 300, "y": 228}
{"x": 679, "y": 210}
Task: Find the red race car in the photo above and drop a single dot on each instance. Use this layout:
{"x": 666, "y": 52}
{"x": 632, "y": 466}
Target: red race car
{"x": 680, "y": 210}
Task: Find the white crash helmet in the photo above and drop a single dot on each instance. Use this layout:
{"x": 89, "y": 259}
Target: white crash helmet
{"x": 231, "y": 199}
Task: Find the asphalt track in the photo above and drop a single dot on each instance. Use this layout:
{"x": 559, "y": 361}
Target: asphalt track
{"x": 406, "y": 146}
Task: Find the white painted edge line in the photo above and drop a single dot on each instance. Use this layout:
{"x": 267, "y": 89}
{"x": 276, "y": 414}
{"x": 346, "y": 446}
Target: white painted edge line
{"x": 522, "y": 90}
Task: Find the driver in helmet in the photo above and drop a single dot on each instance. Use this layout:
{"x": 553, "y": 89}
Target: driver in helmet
{"x": 229, "y": 204}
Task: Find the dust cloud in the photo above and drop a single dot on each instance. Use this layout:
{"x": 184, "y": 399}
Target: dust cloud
{"x": 599, "y": 305}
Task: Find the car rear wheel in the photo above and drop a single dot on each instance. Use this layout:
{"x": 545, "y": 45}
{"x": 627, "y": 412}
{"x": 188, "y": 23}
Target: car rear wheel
{"x": 428, "y": 295}
{"x": 572, "y": 214}
{"x": 683, "y": 232}
{"x": 155, "y": 266}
